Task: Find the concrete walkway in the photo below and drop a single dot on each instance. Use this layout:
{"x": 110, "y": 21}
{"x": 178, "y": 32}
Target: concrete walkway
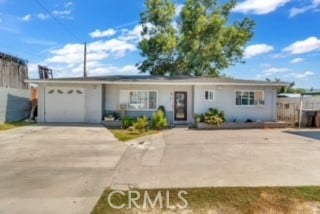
{"x": 55, "y": 169}
{"x": 191, "y": 158}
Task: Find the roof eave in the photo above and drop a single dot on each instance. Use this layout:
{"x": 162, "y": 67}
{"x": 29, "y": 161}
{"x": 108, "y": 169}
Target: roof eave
{"x": 153, "y": 83}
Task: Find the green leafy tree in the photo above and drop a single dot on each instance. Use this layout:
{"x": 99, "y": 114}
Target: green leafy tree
{"x": 159, "y": 42}
{"x": 203, "y": 43}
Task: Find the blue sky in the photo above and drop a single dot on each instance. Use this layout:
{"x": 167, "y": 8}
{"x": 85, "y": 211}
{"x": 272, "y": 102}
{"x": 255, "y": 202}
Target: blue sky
{"x": 286, "y": 42}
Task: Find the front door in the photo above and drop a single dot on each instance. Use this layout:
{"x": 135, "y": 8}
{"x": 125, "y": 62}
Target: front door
{"x": 180, "y": 105}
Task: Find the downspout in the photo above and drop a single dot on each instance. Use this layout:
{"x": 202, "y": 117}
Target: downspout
{"x": 44, "y": 103}
{"x": 300, "y": 111}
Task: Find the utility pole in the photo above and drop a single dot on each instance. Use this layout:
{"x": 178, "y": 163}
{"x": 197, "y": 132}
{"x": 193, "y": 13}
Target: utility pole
{"x": 85, "y": 61}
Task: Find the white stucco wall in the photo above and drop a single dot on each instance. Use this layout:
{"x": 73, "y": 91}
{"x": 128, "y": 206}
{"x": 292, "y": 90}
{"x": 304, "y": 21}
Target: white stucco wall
{"x": 165, "y": 98}
{"x": 92, "y": 107}
{"x": 93, "y": 104}
{"x": 107, "y": 98}
{"x": 225, "y": 100}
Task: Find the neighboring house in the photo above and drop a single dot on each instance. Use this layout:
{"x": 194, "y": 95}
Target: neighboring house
{"x": 88, "y": 100}
{"x": 14, "y": 92}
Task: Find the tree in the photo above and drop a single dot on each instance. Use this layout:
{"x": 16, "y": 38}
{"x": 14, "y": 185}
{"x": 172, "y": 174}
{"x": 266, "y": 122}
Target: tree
{"x": 203, "y": 43}
{"x": 288, "y": 89}
{"x": 159, "y": 41}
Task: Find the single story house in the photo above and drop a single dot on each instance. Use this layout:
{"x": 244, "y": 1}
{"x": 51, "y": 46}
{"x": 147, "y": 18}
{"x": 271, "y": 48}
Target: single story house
{"x": 87, "y": 100}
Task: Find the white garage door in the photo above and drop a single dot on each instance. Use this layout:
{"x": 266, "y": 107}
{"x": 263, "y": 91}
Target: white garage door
{"x": 64, "y": 104}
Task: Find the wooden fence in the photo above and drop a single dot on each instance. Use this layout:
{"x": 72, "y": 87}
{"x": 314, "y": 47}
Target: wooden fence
{"x": 288, "y": 108}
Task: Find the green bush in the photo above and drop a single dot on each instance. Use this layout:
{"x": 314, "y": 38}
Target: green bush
{"x": 128, "y": 122}
{"x": 159, "y": 120}
{"x": 163, "y": 109}
{"x": 214, "y": 117}
{"x": 141, "y": 124}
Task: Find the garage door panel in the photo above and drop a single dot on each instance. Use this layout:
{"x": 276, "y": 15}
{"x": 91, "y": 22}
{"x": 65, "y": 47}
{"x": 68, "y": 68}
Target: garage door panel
{"x": 64, "y": 104}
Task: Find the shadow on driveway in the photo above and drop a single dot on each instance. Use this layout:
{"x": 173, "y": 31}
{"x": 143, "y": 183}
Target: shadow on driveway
{"x": 310, "y": 134}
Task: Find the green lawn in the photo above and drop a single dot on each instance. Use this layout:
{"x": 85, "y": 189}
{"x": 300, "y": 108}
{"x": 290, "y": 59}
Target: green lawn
{"x": 13, "y": 125}
{"x": 125, "y": 135}
{"x": 225, "y": 200}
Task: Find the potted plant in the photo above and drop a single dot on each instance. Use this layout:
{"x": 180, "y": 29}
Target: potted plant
{"x": 197, "y": 118}
{"x": 109, "y": 117}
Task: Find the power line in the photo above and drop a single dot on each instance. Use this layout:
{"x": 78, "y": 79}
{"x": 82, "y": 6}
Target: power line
{"x": 57, "y": 20}
{"x": 127, "y": 24}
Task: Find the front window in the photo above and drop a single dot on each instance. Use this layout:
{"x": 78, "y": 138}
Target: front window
{"x": 249, "y": 98}
{"x": 142, "y": 100}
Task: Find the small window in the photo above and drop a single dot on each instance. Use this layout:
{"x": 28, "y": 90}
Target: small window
{"x": 209, "y": 95}
{"x": 79, "y": 92}
{"x": 60, "y": 92}
{"x": 51, "y": 92}
{"x": 70, "y": 92}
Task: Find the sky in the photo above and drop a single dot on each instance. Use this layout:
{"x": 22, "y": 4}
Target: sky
{"x": 286, "y": 43}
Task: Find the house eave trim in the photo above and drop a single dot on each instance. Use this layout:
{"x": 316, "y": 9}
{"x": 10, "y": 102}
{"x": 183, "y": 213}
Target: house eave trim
{"x": 152, "y": 83}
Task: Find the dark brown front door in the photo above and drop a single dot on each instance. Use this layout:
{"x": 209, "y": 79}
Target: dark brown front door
{"x": 180, "y": 105}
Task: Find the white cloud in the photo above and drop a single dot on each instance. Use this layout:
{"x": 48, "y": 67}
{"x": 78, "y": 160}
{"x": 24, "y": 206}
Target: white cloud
{"x": 259, "y": 7}
{"x": 296, "y": 60}
{"x": 296, "y": 11}
{"x": 43, "y": 16}
{"x": 132, "y": 35}
{"x": 70, "y": 57}
{"x": 68, "y": 4}
{"x": 106, "y": 33}
{"x": 302, "y": 75}
{"x": 257, "y": 49}
{"x": 275, "y": 70}
{"x": 26, "y": 18}
{"x": 68, "y": 60}
{"x": 61, "y": 12}
{"x": 33, "y": 70}
{"x": 299, "y": 10}
{"x": 304, "y": 46}
{"x": 115, "y": 47}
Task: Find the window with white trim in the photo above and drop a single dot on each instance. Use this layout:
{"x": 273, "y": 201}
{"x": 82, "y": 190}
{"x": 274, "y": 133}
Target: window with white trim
{"x": 143, "y": 100}
{"x": 209, "y": 95}
{"x": 249, "y": 98}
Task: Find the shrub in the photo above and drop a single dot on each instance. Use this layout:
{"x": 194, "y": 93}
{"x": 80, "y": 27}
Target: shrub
{"x": 116, "y": 115}
{"x": 159, "y": 120}
{"x": 128, "y": 122}
{"x": 214, "y": 117}
{"x": 163, "y": 109}
{"x": 141, "y": 124}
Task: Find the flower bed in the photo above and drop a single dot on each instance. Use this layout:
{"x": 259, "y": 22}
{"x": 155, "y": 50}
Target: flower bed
{"x": 243, "y": 125}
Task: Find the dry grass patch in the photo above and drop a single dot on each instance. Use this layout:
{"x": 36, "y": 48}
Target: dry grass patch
{"x": 126, "y": 135}
{"x": 225, "y": 200}
{"x": 13, "y": 125}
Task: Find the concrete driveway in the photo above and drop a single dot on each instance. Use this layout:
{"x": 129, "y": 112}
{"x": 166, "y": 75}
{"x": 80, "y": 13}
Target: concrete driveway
{"x": 55, "y": 169}
{"x": 192, "y": 158}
